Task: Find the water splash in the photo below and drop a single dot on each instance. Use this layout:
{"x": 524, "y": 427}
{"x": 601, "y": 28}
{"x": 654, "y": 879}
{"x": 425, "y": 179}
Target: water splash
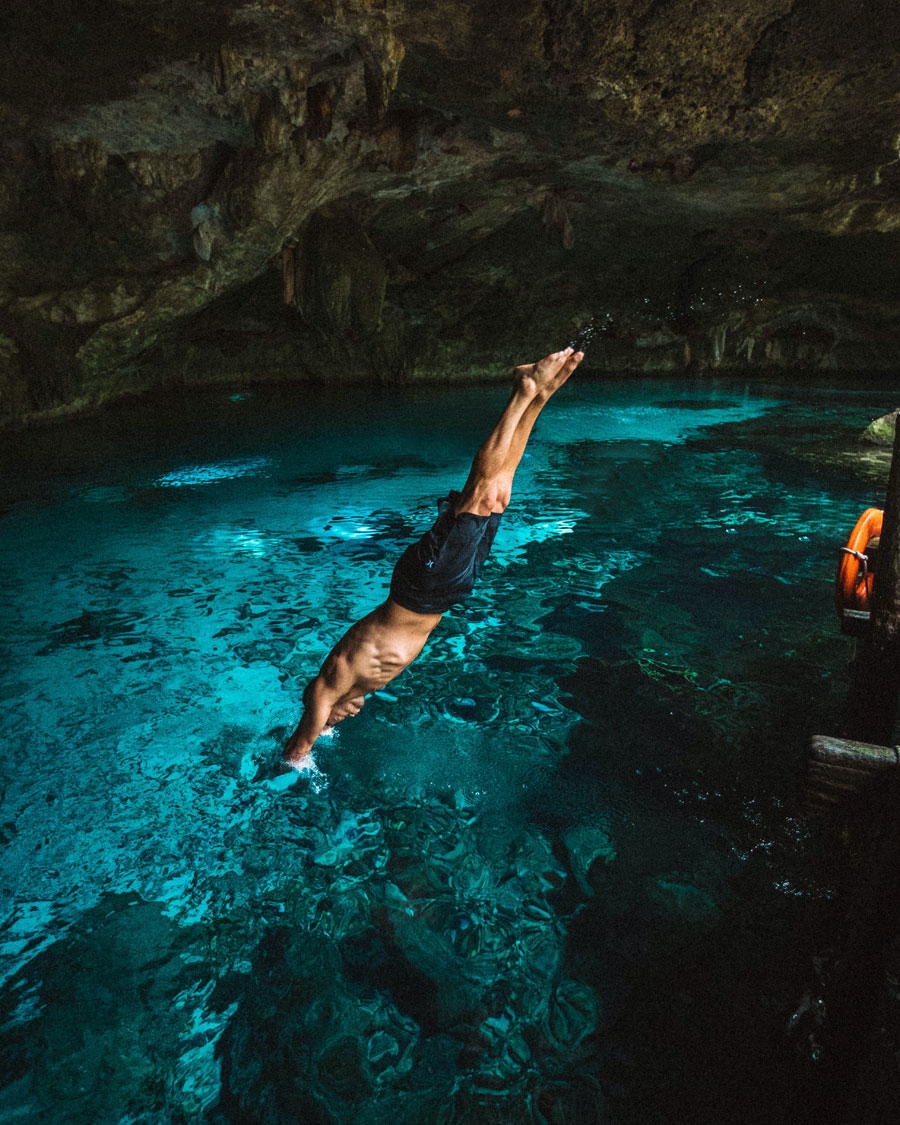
{"x": 600, "y": 324}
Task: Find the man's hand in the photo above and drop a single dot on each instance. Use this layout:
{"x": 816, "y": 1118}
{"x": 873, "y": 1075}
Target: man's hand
{"x": 321, "y": 710}
{"x": 296, "y": 748}
{"x": 318, "y": 700}
{"x": 346, "y": 709}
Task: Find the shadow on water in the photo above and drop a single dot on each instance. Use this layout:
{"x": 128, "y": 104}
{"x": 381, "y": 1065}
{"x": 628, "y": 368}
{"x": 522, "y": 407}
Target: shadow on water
{"x": 705, "y": 914}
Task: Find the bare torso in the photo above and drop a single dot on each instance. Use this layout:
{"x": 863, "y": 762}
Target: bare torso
{"x": 368, "y": 656}
{"x": 376, "y": 649}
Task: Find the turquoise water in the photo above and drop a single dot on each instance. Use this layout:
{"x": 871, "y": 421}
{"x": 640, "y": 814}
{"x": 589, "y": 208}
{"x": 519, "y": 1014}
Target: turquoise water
{"x": 551, "y": 874}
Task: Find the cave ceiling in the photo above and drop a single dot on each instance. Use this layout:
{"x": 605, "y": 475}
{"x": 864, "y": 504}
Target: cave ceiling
{"x": 402, "y": 189}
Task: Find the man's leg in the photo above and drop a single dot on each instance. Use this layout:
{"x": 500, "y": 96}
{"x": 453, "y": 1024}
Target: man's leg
{"x": 489, "y": 484}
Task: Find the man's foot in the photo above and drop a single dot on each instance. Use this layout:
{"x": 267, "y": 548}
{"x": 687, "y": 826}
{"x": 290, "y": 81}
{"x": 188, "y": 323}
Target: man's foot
{"x": 548, "y": 374}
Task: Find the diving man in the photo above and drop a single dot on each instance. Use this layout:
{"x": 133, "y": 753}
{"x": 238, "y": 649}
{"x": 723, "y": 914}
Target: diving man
{"x": 434, "y": 573}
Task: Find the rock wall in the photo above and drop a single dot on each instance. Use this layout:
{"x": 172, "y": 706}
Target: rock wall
{"x": 395, "y": 189}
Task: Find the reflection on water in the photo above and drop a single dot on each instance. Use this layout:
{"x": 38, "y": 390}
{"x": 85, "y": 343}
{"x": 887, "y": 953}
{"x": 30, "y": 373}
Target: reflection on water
{"x": 210, "y": 474}
{"x": 548, "y": 875}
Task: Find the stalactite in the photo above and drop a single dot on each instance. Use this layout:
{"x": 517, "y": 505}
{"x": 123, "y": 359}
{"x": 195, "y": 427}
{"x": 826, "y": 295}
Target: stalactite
{"x": 289, "y": 289}
{"x": 719, "y": 335}
{"x": 557, "y": 220}
{"x": 319, "y": 110}
{"x": 290, "y": 264}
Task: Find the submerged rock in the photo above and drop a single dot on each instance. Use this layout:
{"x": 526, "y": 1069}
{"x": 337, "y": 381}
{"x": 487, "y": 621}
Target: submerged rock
{"x": 354, "y": 835}
{"x": 685, "y": 902}
{"x": 586, "y": 844}
{"x": 419, "y": 966}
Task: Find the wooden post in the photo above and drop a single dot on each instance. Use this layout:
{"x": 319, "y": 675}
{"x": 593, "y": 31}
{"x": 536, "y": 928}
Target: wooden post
{"x": 875, "y": 684}
{"x": 861, "y": 784}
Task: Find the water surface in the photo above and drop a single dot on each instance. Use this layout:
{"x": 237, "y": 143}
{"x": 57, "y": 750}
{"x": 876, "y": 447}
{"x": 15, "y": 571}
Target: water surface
{"x": 552, "y": 873}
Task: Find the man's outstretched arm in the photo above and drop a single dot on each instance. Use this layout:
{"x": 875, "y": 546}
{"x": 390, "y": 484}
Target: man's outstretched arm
{"x": 318, "y": 700}
{"x": 333, "y": 682}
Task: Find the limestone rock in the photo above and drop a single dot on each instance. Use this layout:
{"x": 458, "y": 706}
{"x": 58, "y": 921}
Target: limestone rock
{"x": 342, "y": 278}
{"x": 881, "y": 431}
{"x": 436, "y": 189}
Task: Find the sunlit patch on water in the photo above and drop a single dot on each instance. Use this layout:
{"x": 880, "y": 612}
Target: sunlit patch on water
{"x": 192, "y": 475}
{"x": 647, "y": 422}
{"x": 230, "y": 540}
{"x": 516, "y": 887}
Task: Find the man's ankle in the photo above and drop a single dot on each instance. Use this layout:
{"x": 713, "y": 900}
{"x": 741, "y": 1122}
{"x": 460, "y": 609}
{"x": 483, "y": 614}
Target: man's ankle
{"x": 520, "y": 387}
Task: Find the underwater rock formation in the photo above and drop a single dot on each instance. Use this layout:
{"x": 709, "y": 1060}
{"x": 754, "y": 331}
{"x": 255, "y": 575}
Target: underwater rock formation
{"x": 425, "y": 984}
{"x": 373, "y": 191}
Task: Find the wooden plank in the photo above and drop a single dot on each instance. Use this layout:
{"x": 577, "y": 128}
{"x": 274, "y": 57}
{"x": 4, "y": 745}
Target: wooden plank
{"x": 815, "y": 804}
{"x": 850, "y": 752}
{"x": 834, "y": 778}
{"x": 840, "y": 769}
{"x": 852, "y": 772}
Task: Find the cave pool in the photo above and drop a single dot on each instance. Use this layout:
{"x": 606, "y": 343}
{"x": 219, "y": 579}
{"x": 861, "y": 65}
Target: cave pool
{"x": 551, "y": 874}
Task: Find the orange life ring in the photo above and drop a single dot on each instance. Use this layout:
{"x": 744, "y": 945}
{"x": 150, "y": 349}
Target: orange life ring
{"x": 853, "y": 585}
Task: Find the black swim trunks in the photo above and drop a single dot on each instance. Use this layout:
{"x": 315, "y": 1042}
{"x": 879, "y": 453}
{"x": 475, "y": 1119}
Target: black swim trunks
{"x": 440, "y": 569}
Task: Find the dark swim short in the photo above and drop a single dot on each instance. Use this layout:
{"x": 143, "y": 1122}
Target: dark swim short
{"x": 440, "y": 569}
